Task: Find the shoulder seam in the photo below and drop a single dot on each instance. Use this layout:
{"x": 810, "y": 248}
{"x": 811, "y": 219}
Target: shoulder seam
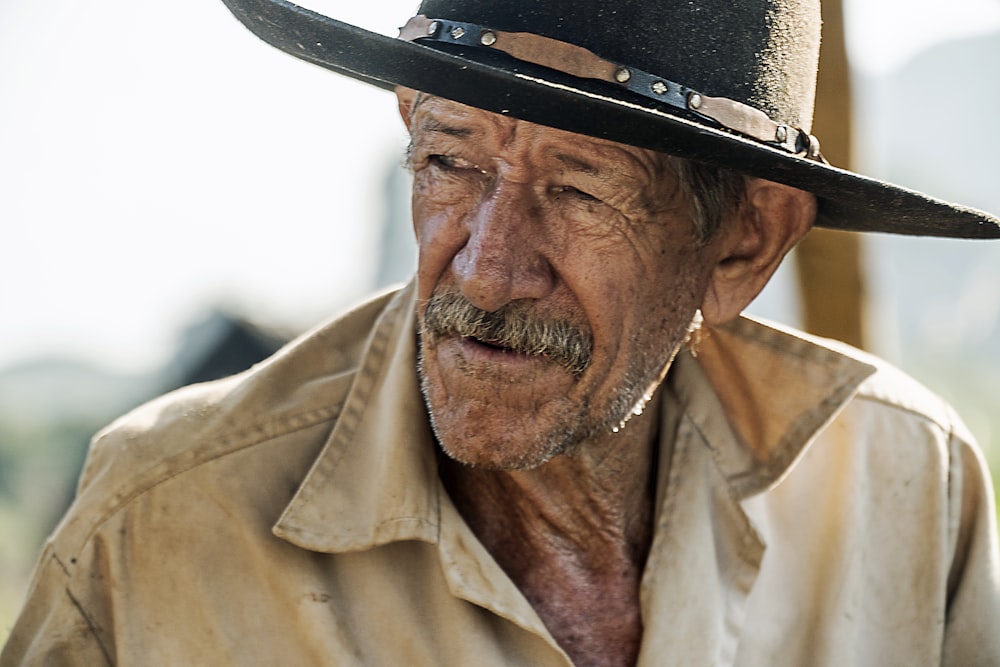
{"x": 155, "y": 476}
{"x": 946, "y": 425}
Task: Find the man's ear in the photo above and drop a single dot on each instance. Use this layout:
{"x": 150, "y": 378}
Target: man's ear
{"x": 406, "y": 98}
{"x": 770, "y": 221}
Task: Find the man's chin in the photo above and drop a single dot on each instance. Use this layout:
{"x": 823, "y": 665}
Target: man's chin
{"x": 499, "y": 437}
{"x": 500, "y": 454}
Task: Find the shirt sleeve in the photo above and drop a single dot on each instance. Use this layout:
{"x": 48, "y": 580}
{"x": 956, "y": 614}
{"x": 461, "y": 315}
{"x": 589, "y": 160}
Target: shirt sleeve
{"x": 52, "y": 628}
{"x": 972, "y": 626}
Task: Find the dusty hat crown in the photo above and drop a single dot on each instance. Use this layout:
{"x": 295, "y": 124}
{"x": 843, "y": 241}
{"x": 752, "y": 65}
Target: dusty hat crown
{"x": 760, "y": 52}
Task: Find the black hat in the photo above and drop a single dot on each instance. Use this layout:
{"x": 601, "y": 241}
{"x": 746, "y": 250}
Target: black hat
{"x": 723, "y": 82}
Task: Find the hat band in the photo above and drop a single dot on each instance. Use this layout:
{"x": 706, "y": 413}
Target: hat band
{"x": 580, "y": 62}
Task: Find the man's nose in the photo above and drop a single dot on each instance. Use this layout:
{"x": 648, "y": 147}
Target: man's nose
{"x": 503, "y": 259}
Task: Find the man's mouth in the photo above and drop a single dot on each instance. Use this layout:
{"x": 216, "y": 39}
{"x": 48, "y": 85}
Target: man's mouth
{"x": 492, "y": 345}
{"x": 498, "y": 351}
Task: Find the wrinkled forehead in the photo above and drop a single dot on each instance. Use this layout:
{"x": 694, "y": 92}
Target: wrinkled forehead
{"x": 436, "y": 116}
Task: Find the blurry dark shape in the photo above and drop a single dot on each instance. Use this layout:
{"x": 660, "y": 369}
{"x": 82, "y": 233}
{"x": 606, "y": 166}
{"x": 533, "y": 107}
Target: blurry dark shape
{"x": 829, "y": 264}
{"x": 221, "y": 345}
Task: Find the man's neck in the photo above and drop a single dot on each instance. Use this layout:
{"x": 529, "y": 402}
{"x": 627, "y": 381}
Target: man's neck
{"x": 573, "y": 535}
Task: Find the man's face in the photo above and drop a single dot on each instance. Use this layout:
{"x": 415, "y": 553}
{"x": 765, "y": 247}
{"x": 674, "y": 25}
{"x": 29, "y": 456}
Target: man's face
{"x": 584, "y": 251}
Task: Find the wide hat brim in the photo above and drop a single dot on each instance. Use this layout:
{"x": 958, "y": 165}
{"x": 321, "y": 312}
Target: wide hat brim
{"x": 847, "y": 200}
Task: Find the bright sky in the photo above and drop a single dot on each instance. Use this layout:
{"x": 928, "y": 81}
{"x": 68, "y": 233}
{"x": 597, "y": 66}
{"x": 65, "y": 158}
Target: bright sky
{"x": 883, "y": 34}
{"x": 156, "y": 158}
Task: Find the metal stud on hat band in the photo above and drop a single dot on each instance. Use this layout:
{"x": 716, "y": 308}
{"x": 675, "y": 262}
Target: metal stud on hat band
{"x": 580, "y": 62}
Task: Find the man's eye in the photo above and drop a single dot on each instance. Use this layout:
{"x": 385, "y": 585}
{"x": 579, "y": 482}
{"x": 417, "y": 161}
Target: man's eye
{"x": 574, "y": 192}
{"x": 454, "y": 163}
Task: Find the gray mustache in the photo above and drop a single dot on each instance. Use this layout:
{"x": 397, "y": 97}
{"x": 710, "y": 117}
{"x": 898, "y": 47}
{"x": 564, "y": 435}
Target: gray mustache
{"x": 513, "y": 326}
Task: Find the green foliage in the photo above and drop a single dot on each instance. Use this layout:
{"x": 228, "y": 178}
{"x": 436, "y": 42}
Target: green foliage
{"x": 39, "y": 463}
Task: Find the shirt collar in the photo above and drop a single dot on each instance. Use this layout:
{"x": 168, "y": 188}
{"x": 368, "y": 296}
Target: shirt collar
{"x": 375, "y": 481}
{"x": 756, "y": 394}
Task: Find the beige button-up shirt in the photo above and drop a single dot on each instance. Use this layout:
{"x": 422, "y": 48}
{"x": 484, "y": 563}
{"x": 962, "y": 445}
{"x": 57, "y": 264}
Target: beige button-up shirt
{"x": 814, "y": 509}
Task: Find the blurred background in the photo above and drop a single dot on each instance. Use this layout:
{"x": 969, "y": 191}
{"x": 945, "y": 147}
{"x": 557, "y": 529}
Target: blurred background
{"x": 177, "y": 199}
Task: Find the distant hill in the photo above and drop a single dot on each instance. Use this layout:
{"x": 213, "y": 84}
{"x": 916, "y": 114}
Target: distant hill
{"x": 933, "y": 125}
{"x": 64, "y": 389}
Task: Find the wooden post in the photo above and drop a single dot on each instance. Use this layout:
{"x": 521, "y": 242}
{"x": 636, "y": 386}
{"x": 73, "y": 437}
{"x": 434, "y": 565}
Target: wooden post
{"x": 829, "y": 264}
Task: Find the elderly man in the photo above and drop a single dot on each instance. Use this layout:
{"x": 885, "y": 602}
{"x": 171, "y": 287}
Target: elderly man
{"x": 561, "y": 443}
